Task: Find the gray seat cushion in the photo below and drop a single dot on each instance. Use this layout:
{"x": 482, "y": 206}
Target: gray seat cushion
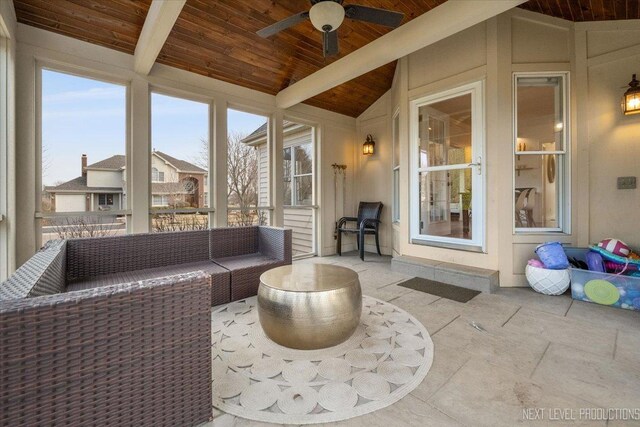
{"x": 240, "y": 262}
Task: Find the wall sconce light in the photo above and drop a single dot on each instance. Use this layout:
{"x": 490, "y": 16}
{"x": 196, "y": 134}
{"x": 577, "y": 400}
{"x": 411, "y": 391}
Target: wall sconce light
{"x": 368, "y": 146}
{"x": 631, "y": 98}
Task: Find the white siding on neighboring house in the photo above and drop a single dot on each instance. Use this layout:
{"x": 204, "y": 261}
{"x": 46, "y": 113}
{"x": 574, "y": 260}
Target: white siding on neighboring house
{"x": 104, "y": 179}
{"x": 263, "y": 175}
{"x": 298, "y": 138}
{"x": 71, "y": 202}
{"x": 301, "y": 222}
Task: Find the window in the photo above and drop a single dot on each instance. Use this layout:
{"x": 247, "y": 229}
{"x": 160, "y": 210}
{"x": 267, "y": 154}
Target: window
{"x": 447, "y": 190}
{"x": 298, "y": 175}
{"x": 105, "y": 199}
{"x": 83, "y": 152}
{"x": 156, "y": 175}
{"x": 160, "y": 200}
{"x": 540, "y": 152}
{"x": 248, "y": 169}
{"x": 179, "y": 163}
{"x": 396, "y": 167}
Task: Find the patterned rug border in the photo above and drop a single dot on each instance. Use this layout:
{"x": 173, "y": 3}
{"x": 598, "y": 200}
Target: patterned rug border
{"x": 328, "y": 417}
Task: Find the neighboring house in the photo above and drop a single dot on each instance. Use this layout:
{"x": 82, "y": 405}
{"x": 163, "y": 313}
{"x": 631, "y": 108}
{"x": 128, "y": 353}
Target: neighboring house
{"x": 175, "y": 183}
{"x": 298, "y": 164}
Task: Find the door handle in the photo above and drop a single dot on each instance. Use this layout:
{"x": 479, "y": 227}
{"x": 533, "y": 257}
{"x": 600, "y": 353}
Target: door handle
{"x": 477, "y": 165}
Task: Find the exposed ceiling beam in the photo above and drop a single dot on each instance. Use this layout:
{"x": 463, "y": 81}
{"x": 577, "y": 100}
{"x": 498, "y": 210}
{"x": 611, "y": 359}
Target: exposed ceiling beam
{"x": 160, "y": 19}
{"x": 443, "y": 21}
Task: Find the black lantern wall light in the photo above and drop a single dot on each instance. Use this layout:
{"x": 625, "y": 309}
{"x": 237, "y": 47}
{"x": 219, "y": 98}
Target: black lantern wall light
{"x": 631, "y": 98}
{"x": 369, "y": 145}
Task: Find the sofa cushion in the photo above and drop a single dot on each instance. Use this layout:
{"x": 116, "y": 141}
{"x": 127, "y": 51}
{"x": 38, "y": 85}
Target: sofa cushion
{"x": 219, "y": 277}
{"x": 89, "y": 258}
{"x": 245, "y": 272}
{"x": 42, "y": 274}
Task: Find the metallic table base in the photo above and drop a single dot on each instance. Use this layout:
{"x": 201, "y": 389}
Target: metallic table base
{"x": 309, "y": 307}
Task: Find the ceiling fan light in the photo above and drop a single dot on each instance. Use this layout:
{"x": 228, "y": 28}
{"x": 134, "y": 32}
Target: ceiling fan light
{"x": 326, "y": 14}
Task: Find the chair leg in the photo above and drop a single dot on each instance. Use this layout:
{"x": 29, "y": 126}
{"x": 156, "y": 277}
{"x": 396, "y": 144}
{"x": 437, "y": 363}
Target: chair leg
{"x": 361, "y": 245}
{"x": 378, "y": 244}
{"x": 339, "y": 243}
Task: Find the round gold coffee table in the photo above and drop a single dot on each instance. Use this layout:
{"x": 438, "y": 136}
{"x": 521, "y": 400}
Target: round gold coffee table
{"x": 309, "y": 306}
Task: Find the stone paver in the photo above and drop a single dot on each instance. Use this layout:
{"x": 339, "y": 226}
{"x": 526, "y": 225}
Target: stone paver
{"x": 539, "y": 352}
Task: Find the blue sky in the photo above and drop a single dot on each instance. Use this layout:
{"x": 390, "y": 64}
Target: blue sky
{"x": 84, "y": 116}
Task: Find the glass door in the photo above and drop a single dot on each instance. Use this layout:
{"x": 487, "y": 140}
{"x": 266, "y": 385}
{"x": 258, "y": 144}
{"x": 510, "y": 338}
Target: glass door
{"x": 448, "y": 190}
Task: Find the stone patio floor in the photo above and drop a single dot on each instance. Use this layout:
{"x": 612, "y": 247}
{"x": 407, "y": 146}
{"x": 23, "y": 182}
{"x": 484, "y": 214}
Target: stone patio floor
{"x": 537, "y": 352}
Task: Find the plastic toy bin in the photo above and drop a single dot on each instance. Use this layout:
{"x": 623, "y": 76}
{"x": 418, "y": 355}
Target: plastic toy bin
{"x": 603, "y": 288}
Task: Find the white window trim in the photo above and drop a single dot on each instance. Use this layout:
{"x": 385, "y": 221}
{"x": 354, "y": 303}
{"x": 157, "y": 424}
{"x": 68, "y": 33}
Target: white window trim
{"x": 4, "y": 154}
{"x": 85, "y": 73}
{"x": 564, "y": 169}
{"x": 478, "y": 132}
{"x": 395, "y": 192}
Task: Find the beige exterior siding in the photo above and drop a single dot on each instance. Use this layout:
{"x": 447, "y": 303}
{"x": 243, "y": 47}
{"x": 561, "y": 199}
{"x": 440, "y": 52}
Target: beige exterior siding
{"x": 301, "y": 222}
{"x": 112, "y": 179}
{"x": 71, "y": 203}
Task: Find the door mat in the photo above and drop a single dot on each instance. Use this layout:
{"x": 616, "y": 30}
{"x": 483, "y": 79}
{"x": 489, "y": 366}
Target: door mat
{"x": 455, "y": 293}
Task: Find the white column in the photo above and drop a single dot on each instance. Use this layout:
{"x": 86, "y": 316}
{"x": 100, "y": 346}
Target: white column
{"x": 276, "y": 174}
{"x": 138, "y": 161}
{"x": 218, "y": 163}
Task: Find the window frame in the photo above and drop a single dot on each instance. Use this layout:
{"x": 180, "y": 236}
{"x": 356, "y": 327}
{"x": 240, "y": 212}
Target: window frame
{"x": 156, "y": 175}
{"x": 563, "y": 167}
{"x": 209, "y": 101}
{"x": 5, "y": 112}
{"x": 395, "y": 167}
{"x": 106, "y": 199}
{"x": 162, "y": 197}
{"x": 84, "y": 73}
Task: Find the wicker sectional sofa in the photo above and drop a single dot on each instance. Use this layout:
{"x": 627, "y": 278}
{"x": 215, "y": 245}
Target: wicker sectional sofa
{"x": 117, "y": 330}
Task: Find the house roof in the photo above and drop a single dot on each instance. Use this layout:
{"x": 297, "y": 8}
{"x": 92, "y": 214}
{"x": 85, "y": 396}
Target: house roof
{"x": 116, "y": 162}
{"x": 218, "y": 39}
{"x": 261, "y": 132}
{"x": 79, "y": 185}
{"x": 181, "y": 165}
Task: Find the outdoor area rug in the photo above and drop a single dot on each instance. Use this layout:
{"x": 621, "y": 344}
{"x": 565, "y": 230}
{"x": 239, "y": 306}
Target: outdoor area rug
{"x": 455, "y": 293}
{"x": 387, "y": 357}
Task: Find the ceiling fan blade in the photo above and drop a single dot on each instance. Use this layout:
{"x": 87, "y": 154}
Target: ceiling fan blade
{"x": 330, "y": 43}
{"x": 283, "y": 25}
{"x": 373, "y": 15}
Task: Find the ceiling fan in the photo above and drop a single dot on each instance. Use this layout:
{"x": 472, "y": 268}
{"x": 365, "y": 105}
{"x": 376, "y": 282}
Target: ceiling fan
{"x": 327, "y": 15}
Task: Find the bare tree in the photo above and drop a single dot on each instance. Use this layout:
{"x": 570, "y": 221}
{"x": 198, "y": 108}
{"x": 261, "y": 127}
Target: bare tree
{"x": 202, "y": 158}
{"x": 83, "y": 226}
{"x": 242, "y": 179}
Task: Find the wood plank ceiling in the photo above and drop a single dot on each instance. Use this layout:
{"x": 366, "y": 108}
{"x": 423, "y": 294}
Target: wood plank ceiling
{"x": 217, "y": 38}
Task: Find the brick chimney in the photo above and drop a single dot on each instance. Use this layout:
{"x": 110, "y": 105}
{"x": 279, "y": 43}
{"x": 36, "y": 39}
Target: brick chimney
{"x": 83, "y": 160}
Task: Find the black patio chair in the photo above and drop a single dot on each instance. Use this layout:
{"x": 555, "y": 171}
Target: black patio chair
{"x": 367, "y": 222}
